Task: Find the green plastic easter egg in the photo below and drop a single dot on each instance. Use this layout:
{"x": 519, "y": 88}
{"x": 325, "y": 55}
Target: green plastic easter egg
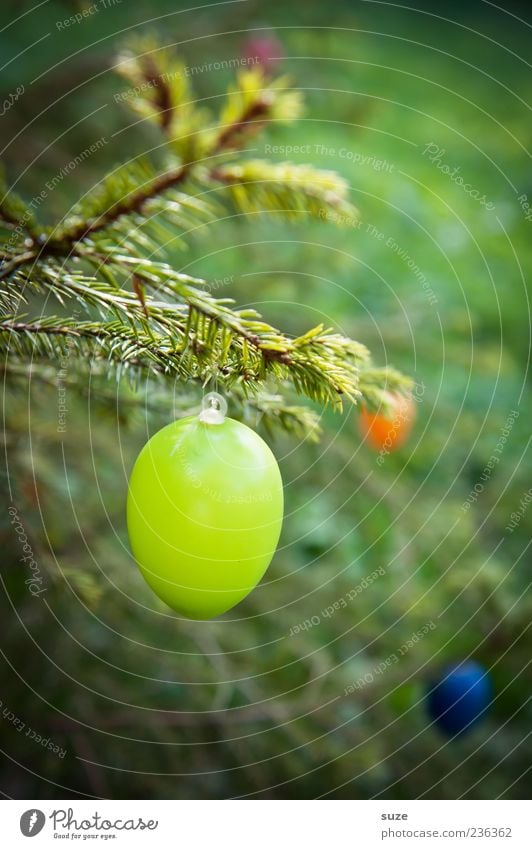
{"x": 204, "y": 514}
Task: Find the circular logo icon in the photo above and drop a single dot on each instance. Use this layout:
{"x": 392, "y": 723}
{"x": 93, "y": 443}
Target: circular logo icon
{"x": 32, "y": 822}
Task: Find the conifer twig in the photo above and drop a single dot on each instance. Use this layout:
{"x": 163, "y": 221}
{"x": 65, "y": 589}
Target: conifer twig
{"x": 143, "y": 315}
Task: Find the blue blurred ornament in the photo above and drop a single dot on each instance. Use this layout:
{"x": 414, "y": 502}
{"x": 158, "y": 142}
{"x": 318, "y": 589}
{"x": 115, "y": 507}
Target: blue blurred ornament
{"x": 459, "y": 697}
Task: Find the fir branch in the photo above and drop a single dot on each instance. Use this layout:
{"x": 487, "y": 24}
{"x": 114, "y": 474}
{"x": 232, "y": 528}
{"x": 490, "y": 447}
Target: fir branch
{"x": 258, "y": 185}
{"x": 232, "y": 135}
{"x": 127, "y": 198}
{"x": 254, "y": 101}
{"x": 147, "y": 318}
{"x": 10, "y": 263}
{"x": 266, "y": 410}
{"x": 132, "y": 193}
{"x": 14, "y": 213}
{"x": 273, "y": 413}
{"x": 160, "y": 90}
{"x": 198, "y": 341}
{"x": 376, "y": 384}
{"x": 152, "y": 78}
{"x": 126, "y": 204}
{"x": 178, "y": 327}
{"x": 9, "y": 218}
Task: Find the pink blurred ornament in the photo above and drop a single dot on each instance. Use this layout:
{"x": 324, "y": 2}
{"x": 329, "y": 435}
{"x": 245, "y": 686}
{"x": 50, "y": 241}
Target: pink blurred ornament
{"x": 265, "y": 50}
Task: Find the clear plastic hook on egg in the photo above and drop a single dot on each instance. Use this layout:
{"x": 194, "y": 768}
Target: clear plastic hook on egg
{"x": 213, "y": 409}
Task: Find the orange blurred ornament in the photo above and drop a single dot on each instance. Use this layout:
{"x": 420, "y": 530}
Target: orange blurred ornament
{"x": 389, "y": 431}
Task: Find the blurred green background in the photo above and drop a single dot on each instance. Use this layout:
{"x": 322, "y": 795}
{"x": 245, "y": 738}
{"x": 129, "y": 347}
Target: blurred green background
{"x": 434, "y": 281}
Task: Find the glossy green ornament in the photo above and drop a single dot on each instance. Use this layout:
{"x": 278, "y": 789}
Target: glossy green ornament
{"x": 204, "y": 511}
